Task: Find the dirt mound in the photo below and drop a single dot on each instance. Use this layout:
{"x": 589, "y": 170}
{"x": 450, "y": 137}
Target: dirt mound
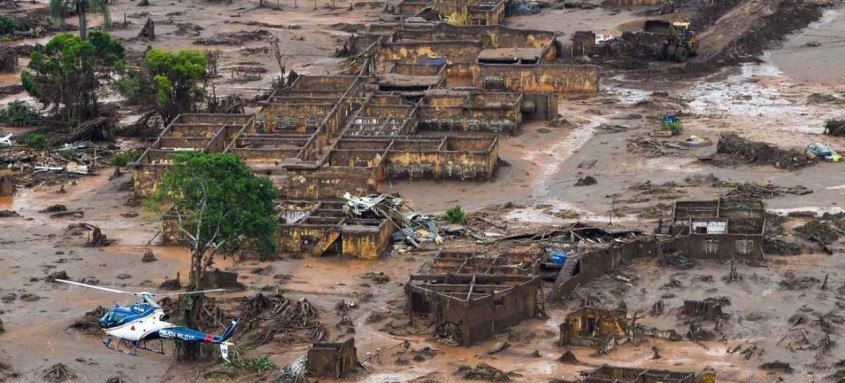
{"x": 753, "y": 26}
{"x": 770, "y": 31}
{"x": 760, "y": 153}
{"x": 835, "y": 127}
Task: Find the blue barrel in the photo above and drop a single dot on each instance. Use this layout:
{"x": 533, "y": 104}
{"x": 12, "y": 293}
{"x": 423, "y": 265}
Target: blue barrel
{"x": 558, "y": 258}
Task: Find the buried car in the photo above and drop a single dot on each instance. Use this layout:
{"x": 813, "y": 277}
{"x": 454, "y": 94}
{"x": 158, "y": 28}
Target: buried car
{"x": 818, "y": 150}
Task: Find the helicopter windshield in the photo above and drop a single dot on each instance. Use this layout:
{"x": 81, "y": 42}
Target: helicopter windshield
{"x": 112, "y": 318}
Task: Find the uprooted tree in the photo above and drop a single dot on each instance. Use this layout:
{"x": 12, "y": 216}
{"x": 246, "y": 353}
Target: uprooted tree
{"x": 222, "y": 207}
{"x": 64, "y": 76}
{"x": 173, "y": 82}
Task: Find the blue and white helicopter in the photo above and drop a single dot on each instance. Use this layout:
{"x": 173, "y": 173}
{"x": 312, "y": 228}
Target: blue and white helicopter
{"x": 145, "y": 321}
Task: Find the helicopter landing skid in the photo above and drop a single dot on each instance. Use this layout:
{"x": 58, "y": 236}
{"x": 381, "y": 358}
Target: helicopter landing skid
{"x": 134, "y": 346}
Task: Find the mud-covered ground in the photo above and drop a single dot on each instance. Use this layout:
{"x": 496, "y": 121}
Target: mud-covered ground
{"x": 605, "y": 136}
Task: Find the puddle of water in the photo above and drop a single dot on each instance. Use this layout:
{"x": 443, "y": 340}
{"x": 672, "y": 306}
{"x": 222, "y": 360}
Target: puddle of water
{"x": 628, "y": 96}
{"x": 743, "y": 95}
{"x": 532, "y": 215}
{"x": 818, "y": 210}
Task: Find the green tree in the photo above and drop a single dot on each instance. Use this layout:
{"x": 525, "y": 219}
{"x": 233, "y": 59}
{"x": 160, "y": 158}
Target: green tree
{"x": 64, "y": 76}
{"x": 171, "y": 81}
{"x": 222, "y": 207}
{"x": 456, "y": 214}
{"x": 61, "y": 9}
{"x": 8, "y": 25}
{"x": 18, "y": 113}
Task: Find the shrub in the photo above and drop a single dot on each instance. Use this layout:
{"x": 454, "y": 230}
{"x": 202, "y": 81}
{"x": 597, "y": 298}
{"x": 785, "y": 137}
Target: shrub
{"x": 19, "y": 113}
{"x": 240, "y": 362}
{"x": 675, "y": 127}
{"x": 456, "y": 215}
{"x": 124, "y": 158}
{"x": 8, "y": 25}
{"x": 35, "y": 140}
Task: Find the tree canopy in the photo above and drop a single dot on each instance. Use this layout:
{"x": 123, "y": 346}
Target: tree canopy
{"x": 64, "y": 75}
{"x": 60, "y": 9}
{"x": 222, "y": 205}
{"x": 171, "y": 81}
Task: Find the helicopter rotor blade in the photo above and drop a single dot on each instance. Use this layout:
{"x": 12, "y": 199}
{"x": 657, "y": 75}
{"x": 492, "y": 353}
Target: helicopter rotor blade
{"x": 95, "y": 287}
{"x": 193, "y": 292}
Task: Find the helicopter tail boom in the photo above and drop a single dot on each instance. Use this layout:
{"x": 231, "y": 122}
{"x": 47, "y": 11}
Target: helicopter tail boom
{"x": 229, "y": 331}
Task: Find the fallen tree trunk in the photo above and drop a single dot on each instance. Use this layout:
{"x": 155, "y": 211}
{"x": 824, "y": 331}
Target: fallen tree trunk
{"x": 98, "y": 129}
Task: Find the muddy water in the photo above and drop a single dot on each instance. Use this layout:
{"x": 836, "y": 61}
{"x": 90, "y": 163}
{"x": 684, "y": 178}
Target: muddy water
{"x": 824, "y": 64}
{"x": 553, "y": 156}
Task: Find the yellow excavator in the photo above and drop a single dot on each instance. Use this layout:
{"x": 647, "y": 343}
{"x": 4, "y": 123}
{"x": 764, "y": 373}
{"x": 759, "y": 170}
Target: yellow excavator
{"x": 681, "y": 40}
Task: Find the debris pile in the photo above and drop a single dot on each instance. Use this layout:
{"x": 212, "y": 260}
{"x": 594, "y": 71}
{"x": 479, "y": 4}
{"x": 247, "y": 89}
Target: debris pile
{"x": 64, "y": 162}
{"x": 98, "y": 239}
{"x": 760, "y": 153}
{"x": 89, "y": 323}
{"x": 7, "y": 373}
{"x": 414, "y": 227}
{"x": 265, "y": 318}
{"x": 792, "y": 282}
{"x": 811, "y": 330}
{"x": 58, "y": 373}
{"x": 296, "y": 372}
{"x": 148, "y": 256}
{"x": 819, "y": 231}
{"x": 762, "y": 191}
{"x": 774, "y": 246}
{"x": 234, "y": 38}
{"x": 586, "y": 181}
{"x": 653, "y": 147}
{"x": 521, "y": 8}
{"x": 485, "y": 372}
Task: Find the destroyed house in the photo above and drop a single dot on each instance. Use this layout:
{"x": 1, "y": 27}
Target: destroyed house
{"x": 408, "y": 8}
{"x": 470, "y": 12}
{"x": 489, "y": 57}
{"x": 187, "y": 132}
{"x": 720, "y": 229}
{"x": 317, "y": 228}
{"x": 592, "y": 327}
{"x": 473, "y": 296}
{"x": 613, "y": 374}
{"x": 583, "y": 267}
